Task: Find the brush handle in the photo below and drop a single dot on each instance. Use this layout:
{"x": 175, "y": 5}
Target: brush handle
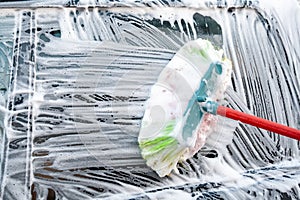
{"x": 258, "y": 122}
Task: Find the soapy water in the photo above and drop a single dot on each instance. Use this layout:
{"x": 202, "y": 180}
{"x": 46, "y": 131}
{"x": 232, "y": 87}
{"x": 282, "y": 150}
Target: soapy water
{"x": 74, "y": 82}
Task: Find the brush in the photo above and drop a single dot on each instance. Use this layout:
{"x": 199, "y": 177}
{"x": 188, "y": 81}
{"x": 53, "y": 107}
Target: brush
{"x": 174, "y": 127}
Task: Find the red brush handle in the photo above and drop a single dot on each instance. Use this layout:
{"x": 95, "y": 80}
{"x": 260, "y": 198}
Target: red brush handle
{"x": 259, "y": 122}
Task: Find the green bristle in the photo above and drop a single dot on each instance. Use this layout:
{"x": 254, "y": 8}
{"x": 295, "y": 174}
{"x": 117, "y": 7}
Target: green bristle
{"x": 156, "y": 145}
{"x": 169, "y": 127}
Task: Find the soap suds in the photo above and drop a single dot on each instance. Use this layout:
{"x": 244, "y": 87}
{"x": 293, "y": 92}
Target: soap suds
{"x": 73, "y": 112}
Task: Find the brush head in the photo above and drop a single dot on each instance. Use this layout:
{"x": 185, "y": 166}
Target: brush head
{"x": 173, "y": 127}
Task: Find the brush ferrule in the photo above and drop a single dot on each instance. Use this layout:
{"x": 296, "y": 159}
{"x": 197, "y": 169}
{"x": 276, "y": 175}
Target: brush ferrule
{"x": 209, "y": 107}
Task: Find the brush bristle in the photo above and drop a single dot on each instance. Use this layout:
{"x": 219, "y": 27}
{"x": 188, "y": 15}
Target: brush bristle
{"x": 162, "y": 153}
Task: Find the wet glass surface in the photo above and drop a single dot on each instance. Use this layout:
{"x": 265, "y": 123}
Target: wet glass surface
{"x": 75, "y": 76}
